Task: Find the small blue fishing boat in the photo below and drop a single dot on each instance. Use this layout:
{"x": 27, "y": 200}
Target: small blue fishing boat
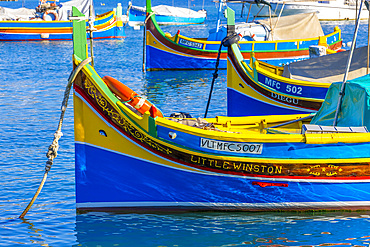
{"x": 166, "y": 15}
{"x": 129, "y": 157}
{"x": 50, "y": 21}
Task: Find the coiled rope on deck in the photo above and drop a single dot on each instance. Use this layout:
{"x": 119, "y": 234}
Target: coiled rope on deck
{"x": 53, "y": 148}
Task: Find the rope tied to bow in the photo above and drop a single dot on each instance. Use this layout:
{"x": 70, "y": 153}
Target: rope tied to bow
{"x": 53, "y": 148}
{"x": 147, "y": 18}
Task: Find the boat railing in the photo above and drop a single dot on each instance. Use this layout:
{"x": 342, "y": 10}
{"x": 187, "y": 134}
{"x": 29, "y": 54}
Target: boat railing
{"x": 258, "y": 46}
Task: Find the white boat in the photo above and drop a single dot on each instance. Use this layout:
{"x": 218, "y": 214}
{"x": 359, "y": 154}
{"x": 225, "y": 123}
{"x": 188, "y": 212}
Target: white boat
{"x": 166, "y": 15}
{"x": 332, "y": 10}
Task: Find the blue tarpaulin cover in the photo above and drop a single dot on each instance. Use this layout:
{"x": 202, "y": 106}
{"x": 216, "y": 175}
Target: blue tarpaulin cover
{"x": 355, "y": 106}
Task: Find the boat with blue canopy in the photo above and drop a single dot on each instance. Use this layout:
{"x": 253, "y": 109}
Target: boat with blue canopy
{"x": 130, "y": 157}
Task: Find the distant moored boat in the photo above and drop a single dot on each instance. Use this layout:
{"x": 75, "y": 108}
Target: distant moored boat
{"x": 51, "y": 21}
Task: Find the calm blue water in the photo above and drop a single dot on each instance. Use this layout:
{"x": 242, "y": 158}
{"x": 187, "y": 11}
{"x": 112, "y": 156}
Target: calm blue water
{"x": 34, "y": 76}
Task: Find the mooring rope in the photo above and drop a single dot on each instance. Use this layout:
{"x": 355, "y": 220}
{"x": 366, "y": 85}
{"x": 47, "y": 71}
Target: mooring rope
{"x": 147, "y": 18}
{"x": 53, "y": 148}
{"x": 215, "y": 75}
{"x": 227, "y": 41}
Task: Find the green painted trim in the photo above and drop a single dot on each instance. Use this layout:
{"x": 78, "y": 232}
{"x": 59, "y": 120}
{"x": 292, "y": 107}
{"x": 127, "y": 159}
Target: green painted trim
{"x": 79, "y": 35}
{"x": 133, "y": 122}
{"x": 152, "y": 127}
{"x": 237, "y": 52}
{"x": 156, "y": 24}
{"x": 230, "y": 15}
{"x": 149, "y": 6}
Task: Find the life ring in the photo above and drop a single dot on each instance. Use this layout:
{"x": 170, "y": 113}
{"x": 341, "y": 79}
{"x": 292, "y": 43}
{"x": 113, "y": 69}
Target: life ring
{"x": 47, "y": 12}
{"x": 132, "y": 98}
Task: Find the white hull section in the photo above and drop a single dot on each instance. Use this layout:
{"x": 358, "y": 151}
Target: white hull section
{"x": 333, "y": 10}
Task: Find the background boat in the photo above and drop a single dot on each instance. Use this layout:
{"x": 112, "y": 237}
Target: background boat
{"x": 177, "y": 51}
{"x": 331, "y": 10}
{"x": 166, "y": 15}
{"x": 257, "y": 88}
{"x": 51, "y": 22}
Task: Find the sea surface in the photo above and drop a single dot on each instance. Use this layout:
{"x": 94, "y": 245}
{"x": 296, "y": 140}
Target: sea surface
{"x": 33, "y": 79}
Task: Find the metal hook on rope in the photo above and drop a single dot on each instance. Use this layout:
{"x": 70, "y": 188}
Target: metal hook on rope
{"x": 53, "y": 148}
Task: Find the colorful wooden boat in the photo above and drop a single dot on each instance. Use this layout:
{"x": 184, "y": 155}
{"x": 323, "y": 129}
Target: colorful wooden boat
{"x": 258, "y": 88}
{"x": 166, "y": 51}
{"x": 166, "y": 15}
{"x": 35, "y": 28}
{"x": 129, "y": 161}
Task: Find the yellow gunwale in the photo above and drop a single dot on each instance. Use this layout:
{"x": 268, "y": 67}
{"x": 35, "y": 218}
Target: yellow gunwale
{"x": 251, "y": 42}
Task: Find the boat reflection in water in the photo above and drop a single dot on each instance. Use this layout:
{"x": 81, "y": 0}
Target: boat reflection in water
{"x": 226, "y": 229}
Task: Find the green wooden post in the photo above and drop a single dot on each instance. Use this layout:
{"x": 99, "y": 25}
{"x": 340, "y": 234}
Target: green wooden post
{"x": 149, "y": 6}
{"x": 79, "y": 35}
{"x": 230, "y": 15}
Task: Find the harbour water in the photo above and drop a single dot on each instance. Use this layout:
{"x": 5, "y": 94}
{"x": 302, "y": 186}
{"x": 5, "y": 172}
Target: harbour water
{"x": 34, "y": 76}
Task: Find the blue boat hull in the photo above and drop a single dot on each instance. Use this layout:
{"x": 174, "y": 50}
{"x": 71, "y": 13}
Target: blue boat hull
{"x": 108, "y": 179}
{"x": 256, "y": 107}
{"x": 165, "y": 60}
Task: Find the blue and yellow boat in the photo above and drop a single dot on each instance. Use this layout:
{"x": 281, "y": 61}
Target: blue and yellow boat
{"x": 47, "y": 25}
{"x": 129, "y": 157}
{"x": 166, "y": 51}
{"x": 258, "y": 88}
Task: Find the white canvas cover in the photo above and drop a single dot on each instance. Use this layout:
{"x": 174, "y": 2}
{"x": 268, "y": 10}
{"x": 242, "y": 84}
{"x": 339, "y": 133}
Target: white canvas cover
{"x": 20, "y": 14}
{"x": 173, "y": 11}
{"x": 82, "y": 5}
{"x": 329, "y": 68}
{"x": 300, "y": 26}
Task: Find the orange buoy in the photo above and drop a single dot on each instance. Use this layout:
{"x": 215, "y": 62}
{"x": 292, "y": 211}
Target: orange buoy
{"x": 47, "y": 12}
{"x": 131, "y": 97}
